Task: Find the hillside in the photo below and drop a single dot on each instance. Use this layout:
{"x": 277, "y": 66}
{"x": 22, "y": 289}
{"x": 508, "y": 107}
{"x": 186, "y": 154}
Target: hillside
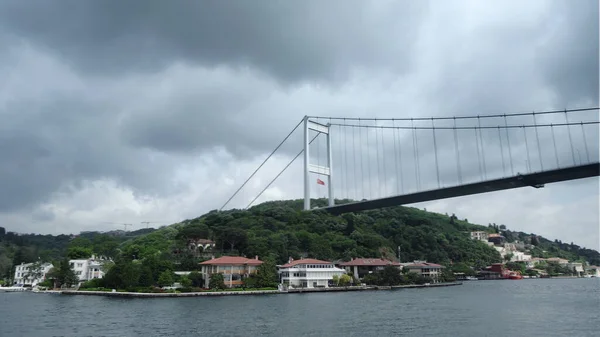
{"x": 18, "y": 248}
{"x": 279, "y": 230}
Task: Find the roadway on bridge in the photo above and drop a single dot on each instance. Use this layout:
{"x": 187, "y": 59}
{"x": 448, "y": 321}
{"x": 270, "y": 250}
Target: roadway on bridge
{"x": 536, "y": 180}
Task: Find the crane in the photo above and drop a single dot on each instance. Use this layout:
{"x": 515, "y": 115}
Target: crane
{"x": 120, "y": 223}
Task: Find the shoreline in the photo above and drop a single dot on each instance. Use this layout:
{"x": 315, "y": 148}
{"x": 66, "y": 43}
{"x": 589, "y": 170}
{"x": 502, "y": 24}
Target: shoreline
{"x": 252, "y": 292}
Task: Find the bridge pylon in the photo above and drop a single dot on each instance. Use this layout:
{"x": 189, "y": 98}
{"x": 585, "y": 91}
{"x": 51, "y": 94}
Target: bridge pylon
{"x": 322, "y": 170}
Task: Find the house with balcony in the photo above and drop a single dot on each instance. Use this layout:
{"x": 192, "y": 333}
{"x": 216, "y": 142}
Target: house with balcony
{"x": 359, "y": 267}
{"x": 87, "y": 269}
{"x": 30, "y": 274}
{"x": 233, "y": 268}
{"x": 425, "y": 269}
{"x": 308, "y": 273}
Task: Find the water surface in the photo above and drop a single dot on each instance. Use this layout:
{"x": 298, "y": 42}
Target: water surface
{"x": 546, "y": 307}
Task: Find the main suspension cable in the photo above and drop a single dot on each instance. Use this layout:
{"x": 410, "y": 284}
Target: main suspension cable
{"x": 261, "y": 165}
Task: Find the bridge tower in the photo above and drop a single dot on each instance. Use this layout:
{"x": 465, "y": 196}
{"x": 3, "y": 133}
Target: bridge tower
{"x": 308, "y": 167}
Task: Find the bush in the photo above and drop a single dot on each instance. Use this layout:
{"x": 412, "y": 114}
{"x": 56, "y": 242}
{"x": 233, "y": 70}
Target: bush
{"x": 93, "y": 283}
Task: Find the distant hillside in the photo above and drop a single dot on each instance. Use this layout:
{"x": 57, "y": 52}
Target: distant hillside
{"x": 280, "y": 229}
{"x": 16, "y": 248}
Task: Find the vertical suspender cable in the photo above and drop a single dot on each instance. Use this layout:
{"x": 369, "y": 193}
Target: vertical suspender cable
{"x": 482, "y": 147}
{"x": 501, "y": 152}
{"x": 400, "y": 162}
{"x": 415, "y": 155}
{"x": 418, "y": 159}
{"x": 437, "y": 167}
{"x": 537, "y": 137}
{"x": 457, "y": 151}
{"x": 354, "y": 166}
{"x": 587, "y": 153}
{"x": 478, "y": 155}
{"x": 570, "y": 139}
{"x": 527, "y": 148}
{"x": 555, "y": 150}
{"x": 383, "y": 162}
{"x": 370, "y": 181}
{"x": 377, "y": 153}
{"x": 396, "y": 156}
{"x": 362, "y": 171}
{"x": 512, "y": 169}
{"x": 346, "y": 158}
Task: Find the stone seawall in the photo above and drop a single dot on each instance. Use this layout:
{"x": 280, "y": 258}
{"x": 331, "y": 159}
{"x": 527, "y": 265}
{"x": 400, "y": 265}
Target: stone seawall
{"x": 146, "y": 295}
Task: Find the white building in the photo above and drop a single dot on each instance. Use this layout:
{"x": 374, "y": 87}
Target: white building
{"x": 308, "y": 273}
{"x": 520, "y": 257}
{"x": 87, "y": 269}
{"x": 28, "y": 274}
{"x": 479, "y": 235}
{"x": 425, "y": 269}
{"x": 577, "y": 268}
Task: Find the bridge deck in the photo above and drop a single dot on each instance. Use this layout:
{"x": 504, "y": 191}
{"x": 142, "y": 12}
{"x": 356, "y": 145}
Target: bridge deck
{"x": 533, "y": 179}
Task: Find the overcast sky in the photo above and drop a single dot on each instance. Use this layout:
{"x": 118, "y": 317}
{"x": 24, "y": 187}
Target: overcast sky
{"x": 131, "y": 111}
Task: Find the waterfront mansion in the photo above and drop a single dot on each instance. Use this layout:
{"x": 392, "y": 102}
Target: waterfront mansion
{"x": 308, "y": 273}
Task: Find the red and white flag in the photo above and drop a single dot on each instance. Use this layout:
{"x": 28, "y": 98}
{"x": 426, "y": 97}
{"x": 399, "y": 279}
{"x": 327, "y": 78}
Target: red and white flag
{"x": 320, "y": 182}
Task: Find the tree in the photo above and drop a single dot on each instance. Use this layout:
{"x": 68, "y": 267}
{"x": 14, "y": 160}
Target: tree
{"x": 336, "y": 280}
{"x": 146, "y": 277}
{"x": 2, "y": 233}
{"x": 196, "y": 278}
{"x": 503, "y": 227}
{"x": 216, "y": 281}
{"x": 165, "y": 279}
{"x": 266, "y": 274}
{"x": 63, "y": 274}
{"x": 185, "y": 282}
{"x": 345, "y": 280}
{"x": 390, "y": 276}
{"x": 35, "y": 272}
{"x": 76, "y": 253}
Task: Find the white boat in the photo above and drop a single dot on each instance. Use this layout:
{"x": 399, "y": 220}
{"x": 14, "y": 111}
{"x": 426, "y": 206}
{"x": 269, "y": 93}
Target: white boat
{"x": 12, "y": 289}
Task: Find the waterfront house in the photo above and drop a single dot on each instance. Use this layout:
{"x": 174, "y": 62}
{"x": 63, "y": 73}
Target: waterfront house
{"x": 308, "y": 273}
{"x": 577, "y": 268}
{"x": 360, "y": 267}
{"x": 593, "y": 271}
{"x": 87, "y": 269}
{"x": 562, "y": 262}
{"x": 233, "y": 268}
{"x": 28, "y": 274}
{"x": 425, "y": 269}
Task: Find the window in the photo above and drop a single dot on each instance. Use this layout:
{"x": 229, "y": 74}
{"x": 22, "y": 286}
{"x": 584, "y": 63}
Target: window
{"x": 79, "y": 265}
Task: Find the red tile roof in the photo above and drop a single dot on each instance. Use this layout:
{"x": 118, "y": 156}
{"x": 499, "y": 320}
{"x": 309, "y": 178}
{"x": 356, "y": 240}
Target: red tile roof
{"x": 369, "y": 262}
{"x": 304, "y": 261}
{"x": 232, "y": 260}
{"x": 423, "y": 265}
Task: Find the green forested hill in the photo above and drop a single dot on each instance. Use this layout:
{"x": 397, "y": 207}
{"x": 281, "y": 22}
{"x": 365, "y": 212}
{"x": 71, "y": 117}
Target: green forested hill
{"x": 279, "y": 230}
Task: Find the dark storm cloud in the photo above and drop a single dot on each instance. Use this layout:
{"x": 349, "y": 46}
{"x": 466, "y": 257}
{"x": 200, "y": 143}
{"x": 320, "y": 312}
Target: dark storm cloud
{"x": 52, "y": 139}
{"x": 307, "y": 40}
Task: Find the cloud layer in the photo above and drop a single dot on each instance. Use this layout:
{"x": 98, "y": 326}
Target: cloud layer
{"x": 142, "y": 111}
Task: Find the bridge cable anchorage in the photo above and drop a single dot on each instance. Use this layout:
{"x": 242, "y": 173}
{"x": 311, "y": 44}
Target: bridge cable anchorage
{"x": 415, "y": 154}
{"x": 478, "y": 155}
{"x": 482, "y": 148}
{"x": 466, "y": 117}
{"x": 537, "y": 137}
{"x": 394, "y": 131}
{"x": 587, "y": 152}
{"x": 437, "y": 167}
{"x": 281, "y": 172}
{"x": 362, "y": 170}
{"x": 502, "y": 153}
{"x": 570, "y": 139}
{"x": 528, "y": 166}
{"x": 555, "y": 150}
{"x": 385, "y": 193}
{"x": 400, "y": 161}
{"x": 261, "y": 165}
{"x": 512, "y": 168}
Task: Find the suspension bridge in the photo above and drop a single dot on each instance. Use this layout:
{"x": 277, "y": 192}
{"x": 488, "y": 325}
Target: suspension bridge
{"x": 369, "y": 163}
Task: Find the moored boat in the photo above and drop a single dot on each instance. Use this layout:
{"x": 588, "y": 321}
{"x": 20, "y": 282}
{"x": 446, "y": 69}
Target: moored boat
{"x": 12, "y": 289}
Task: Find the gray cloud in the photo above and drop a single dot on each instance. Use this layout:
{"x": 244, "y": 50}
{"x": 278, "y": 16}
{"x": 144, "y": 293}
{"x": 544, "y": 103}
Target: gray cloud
{"x": 168, "y": 107}
{"x": 292, "y": 41}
